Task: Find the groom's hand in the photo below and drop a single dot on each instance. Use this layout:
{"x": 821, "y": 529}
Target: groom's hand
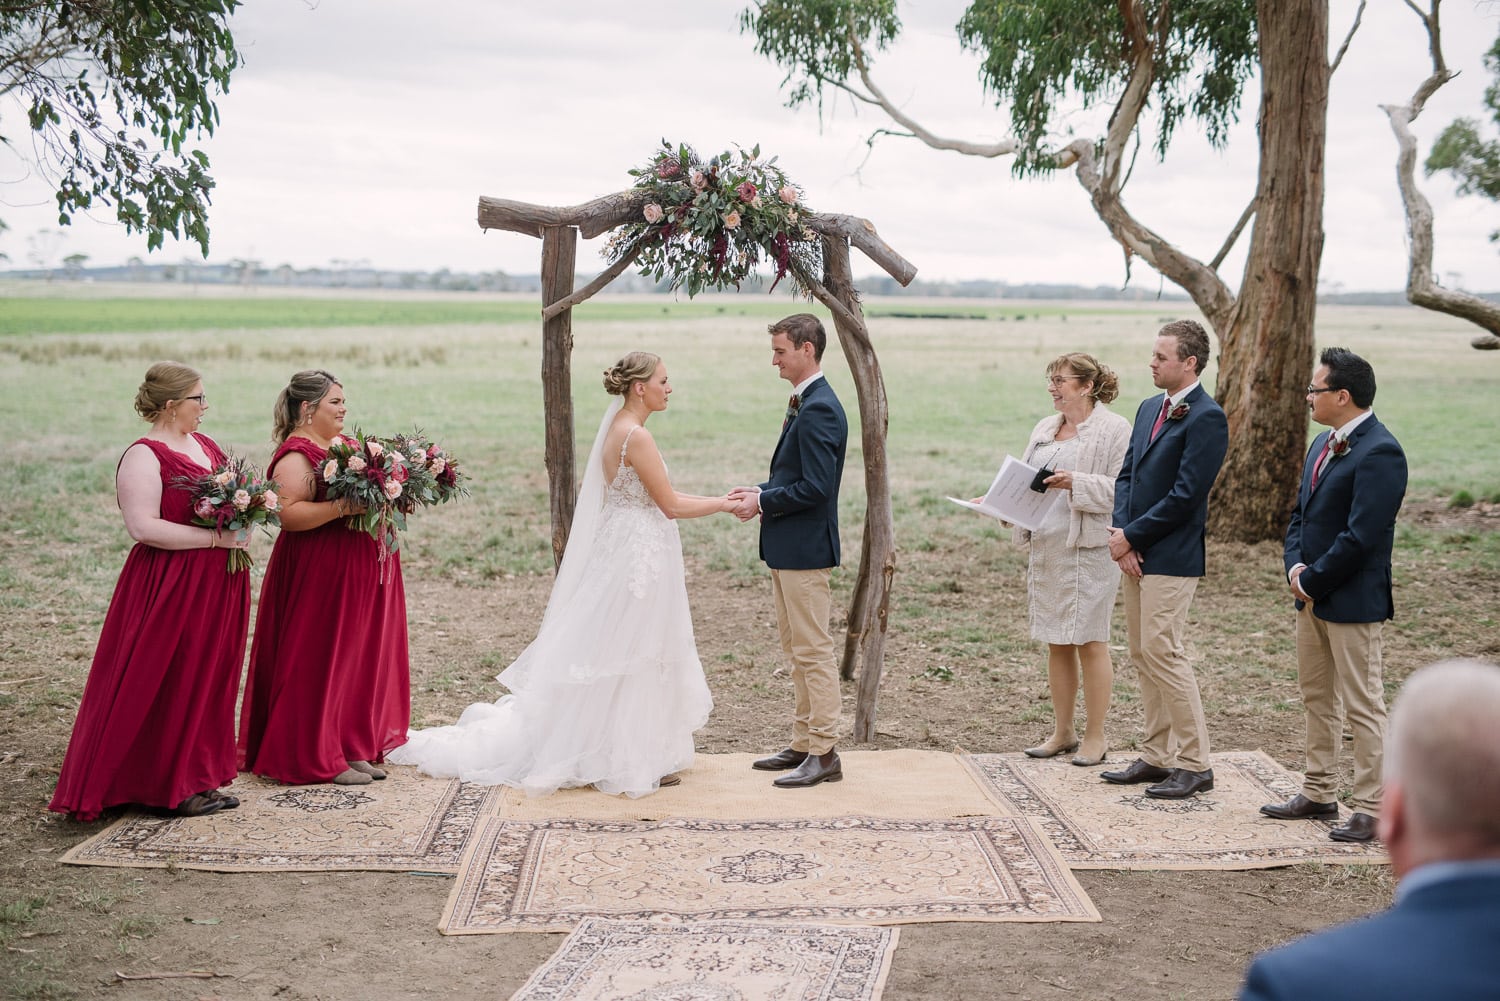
{"x": 747, "y": 502}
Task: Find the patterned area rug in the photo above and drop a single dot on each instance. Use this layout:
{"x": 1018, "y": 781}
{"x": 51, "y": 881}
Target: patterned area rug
{"x": 714, "y": 961}
{"x": 403, "y": 823}
{"x": 1096, "y": 825}
{"x": 903, "y": 784}
{"x": 549, "y": 875}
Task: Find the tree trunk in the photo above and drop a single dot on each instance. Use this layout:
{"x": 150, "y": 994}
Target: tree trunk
{"x": 1266, "y": 345}
{"x": 559, "y": 251}
{"x": 864, "y": 638}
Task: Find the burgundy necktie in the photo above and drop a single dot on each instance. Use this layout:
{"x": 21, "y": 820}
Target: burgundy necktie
{"x": 1166, "y": 405}
{"x": 1318, "y": 466}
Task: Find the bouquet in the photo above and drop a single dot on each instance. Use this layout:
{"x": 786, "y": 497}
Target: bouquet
{"x": 234, "y": 498}
{"x": 363, "y": 472}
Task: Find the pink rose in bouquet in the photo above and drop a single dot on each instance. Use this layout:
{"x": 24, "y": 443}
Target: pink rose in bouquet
{"x": 361, "y": 468}
{"x": 234, "y": 498}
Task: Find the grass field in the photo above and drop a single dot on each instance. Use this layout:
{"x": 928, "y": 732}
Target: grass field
{"x": 963, "y": 392}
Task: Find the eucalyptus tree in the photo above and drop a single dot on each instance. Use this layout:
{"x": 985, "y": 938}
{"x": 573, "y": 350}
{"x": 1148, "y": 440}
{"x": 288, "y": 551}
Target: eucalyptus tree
{"x": 1188, "y": 61}
{"x": 114, "y": 94}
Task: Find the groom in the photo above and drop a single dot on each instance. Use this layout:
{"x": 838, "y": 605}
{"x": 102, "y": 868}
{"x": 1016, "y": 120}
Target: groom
{"x": 799, "y": 542}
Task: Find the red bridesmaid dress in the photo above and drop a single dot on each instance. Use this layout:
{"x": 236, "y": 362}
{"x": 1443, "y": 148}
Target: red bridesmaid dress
{"x": 329, "y": 679}
{"x": 156, "y": 724}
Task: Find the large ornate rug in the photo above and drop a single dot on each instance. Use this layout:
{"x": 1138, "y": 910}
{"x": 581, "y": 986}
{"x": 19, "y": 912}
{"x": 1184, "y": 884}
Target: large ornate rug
{"x": 406, "y": 822}
{"x": 902, "y": 783}
{"x": 549, "y": 875}
{"x": 714, "y": 961}
{"x": 1096, "y": 825}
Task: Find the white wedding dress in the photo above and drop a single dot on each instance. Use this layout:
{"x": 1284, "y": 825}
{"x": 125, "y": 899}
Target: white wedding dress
{"x": 610, "y": 691}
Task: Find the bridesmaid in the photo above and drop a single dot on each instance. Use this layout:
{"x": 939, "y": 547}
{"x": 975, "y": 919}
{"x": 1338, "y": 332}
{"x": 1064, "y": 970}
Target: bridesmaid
{"x": 156, "y": 725}
{"x": 328, "y": 693}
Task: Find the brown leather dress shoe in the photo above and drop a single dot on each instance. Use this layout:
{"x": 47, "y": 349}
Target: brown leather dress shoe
{"x": 1359, "y": 827}
{"x": 1299, "y": 807}
{"x": 816, "y": 768}
{"x": 1182, "y": 784}
{"x": 1137, "y": 771}
{"x": 780, "y": 761}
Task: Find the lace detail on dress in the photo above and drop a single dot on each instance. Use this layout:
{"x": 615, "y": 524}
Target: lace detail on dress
{"x": 634, "y": 527}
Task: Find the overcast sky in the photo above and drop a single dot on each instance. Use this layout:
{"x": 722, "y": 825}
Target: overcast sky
{"x": 366, "y": 130}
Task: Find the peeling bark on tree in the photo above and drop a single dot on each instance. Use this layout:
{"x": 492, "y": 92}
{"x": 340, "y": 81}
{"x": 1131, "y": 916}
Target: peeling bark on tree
{"x": 559, "y": 252}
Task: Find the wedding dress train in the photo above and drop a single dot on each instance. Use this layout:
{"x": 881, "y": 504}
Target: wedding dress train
{"x": 610, "y": 691}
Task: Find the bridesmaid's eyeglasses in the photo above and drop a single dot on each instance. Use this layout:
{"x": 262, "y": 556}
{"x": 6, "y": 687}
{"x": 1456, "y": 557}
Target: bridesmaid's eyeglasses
{"x": 201, "y": 399}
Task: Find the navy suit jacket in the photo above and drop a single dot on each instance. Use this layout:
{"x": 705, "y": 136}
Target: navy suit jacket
{"x": 799, "y": 504}
{"x": 1344, "y": 530}
{"x": 1438, "y": 941}
{"x": 1161, "y": 494}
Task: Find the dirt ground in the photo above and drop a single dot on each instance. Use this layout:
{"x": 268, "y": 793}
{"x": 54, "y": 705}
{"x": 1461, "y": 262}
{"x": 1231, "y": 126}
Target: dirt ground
{"x": 959, "y": 672}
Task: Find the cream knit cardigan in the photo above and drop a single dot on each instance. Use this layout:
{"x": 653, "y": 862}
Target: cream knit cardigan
{"x": 1102, "y": 440}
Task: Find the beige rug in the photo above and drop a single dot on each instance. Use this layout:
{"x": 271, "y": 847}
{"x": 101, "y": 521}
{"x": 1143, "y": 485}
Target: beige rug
{"x": 549, "y": 875}
{"x": 1096, "y": 825}
{"x": 714, "y": 961}
{"x": 406, "y": 822}
{"x": 905, "y": 784}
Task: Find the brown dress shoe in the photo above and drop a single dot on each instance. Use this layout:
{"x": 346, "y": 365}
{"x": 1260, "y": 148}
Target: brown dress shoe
{"x": 780, "y": 761}
{"x": 1359, "y": 827}
{"x": 1299, "y": 807}
{"x": 1137, "y": 771}
{"x": 816, "y": 768}
{"x": 1182, "y": 784}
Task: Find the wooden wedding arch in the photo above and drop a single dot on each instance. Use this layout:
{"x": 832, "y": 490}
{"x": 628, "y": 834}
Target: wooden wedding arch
{"x": 559, "y": 229}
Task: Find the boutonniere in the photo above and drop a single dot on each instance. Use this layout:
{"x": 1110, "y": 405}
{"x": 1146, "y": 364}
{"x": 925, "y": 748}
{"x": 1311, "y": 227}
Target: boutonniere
{"x": 792, "y": 406}
{"x": 1338, "y": 446}
{"x": 1178, "y": 412}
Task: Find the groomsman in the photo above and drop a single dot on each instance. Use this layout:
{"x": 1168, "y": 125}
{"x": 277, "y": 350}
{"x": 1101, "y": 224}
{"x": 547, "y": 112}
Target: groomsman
{"x": 1338, "y": 564}
{"x": 799, "y": 541}
{"x": 1161, "y": 514}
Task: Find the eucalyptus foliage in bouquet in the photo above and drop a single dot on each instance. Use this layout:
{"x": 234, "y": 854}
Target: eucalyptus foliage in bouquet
{"x": 710, "y": 223}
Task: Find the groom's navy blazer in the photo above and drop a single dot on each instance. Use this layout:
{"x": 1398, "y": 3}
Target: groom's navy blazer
{"x": 1161, "y": 494}
{"x": 1344, "y": 530}
{"x": 799, "y": 504}
{"x": 1438, "y": 941}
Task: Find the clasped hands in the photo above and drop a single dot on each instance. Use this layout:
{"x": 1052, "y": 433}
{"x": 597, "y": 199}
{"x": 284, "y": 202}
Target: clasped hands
{"x": 1123, "y": 553}
{"x": 743, "y": 502}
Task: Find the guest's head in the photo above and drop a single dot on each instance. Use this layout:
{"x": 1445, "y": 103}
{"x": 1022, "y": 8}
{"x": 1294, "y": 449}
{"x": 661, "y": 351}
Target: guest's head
{"x": 1076, "y": 376}
{"x": 172, "y": 395}
{"x": 1442, "y": 767}
{"x": 797, "y": 344}
{"x": 1342, "y": 387}
{"x": 1180, "y": 356}
{"x": 313, "y": 402}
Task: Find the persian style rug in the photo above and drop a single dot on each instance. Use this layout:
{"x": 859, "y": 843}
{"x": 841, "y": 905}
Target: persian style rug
{"x": 406, "y": 822}
{"x": 606, "y": 960}
{"x": 549, "y": 875}
{"x": 1096, "y": 825}
{"x": 902, "y": 784}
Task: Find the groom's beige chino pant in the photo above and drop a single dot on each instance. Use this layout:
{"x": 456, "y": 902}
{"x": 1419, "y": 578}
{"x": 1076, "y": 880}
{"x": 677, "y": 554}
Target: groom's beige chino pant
{"x": 1156, "y": 611}
{"x": 803, "y": 602}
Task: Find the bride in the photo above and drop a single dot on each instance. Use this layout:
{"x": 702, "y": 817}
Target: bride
{"x": 610, "y": 691}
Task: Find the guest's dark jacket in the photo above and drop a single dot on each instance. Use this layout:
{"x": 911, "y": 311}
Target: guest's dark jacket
{"x": 799, "y": 504}
{"x": 1344, "y": 530}
{"x": 1161, "y": 494}
{"x": 1439, "y": 941}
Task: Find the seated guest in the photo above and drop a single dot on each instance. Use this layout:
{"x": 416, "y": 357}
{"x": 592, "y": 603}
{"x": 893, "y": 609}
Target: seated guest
{"x": 1440, "y": 821}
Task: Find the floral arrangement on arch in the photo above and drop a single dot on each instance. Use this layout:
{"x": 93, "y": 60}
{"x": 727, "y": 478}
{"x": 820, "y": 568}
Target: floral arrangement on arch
{"x": 710, "y": 223}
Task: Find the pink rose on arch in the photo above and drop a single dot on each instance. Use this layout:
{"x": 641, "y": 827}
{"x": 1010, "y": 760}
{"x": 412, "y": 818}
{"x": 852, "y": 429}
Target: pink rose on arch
{"x": 668, "y": 168}
{"x": 204, "y": 508}
{"x": 270, "y": 501}
{"x": 241, "y": 499}
{"x": 330, "y": 469}
{"x": 356, "y": 464}
{"x": 697, "y": 180}
{"x": 392, "y": 489}
{"x": 746, "y": 191}
{"x": 787, "y": 194}
{"x": 732, "y": 220}
{"x": 653, "y": 213}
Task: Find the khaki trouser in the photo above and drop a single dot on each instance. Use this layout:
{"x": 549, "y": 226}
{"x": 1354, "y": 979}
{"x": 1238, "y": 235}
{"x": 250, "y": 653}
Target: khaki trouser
{"x": 803, "y": 602}
{"x": 1340, "y": 662}
{"x": 1156, "y": 609}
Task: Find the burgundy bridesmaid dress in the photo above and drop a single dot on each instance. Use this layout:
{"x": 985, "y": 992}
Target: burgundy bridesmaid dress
{"x": 156, "y": 724}
{"x": 329, "y": 678}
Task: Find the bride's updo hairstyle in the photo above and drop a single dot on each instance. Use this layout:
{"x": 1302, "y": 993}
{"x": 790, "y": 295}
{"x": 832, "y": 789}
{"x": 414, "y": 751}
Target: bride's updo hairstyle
{"x": 308, "y": 386}
{"x": 165, "y": 381}
{"x": 634, "y": 367}
{"x": 1089, "y": 369}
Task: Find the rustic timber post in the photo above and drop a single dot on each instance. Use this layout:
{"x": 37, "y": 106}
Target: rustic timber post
{"x": 559, "y": 253}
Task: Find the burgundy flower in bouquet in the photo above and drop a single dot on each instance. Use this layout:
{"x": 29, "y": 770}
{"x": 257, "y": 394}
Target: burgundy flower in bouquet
{"x": 234, "y": 498}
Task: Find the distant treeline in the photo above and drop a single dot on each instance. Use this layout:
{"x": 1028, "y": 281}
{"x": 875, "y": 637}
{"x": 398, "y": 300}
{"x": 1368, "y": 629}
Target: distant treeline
{"x": 252, "y": 273}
